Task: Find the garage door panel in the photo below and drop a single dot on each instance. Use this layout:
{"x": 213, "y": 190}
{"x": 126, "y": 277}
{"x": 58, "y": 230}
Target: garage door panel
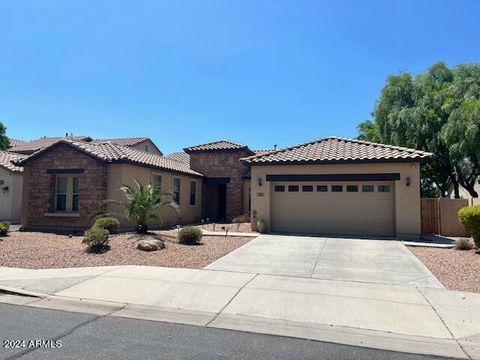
{"x": 353, "y": 213}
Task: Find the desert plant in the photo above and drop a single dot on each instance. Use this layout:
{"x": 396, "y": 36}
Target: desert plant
{"x": 470, "y": 219}
{"x": 108, "y": 222}
{"x": 463, "y": 244}
{"x": 96, "y": 239}
{"x": 189, "y": 235}
{"x": 142, "y": 204}
{"x": 4, "y": 228}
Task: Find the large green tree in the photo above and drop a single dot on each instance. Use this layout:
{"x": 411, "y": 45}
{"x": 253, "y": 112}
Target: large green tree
{"x": 436, "y": 111}
{"x": 3, "y": 137}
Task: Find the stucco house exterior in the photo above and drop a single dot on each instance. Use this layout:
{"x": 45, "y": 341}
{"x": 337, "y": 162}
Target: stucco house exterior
{"x": 67, "y": 181}
{"x": 339, "y": 186}
{"x": 11, "y": 183}
{"x": 334, "y": 185}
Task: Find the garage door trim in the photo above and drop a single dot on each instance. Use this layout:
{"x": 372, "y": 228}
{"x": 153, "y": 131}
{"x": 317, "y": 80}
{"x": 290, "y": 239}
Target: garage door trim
{"x": 334, "y": 177}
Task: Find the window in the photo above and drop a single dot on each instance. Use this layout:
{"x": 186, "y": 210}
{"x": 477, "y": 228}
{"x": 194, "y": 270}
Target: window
{"x": 193, "y": 193}
{"x": 176, "y": 190}
{"x": 157, "y": 181}
{"x": 75, "y": 193}
{"x": 384, "y": 188}
{"x": 352, "y": 188}
{"x": 322, "y": 188}
{"x": 368, "y": 188}
{"x": 337, "y": 188}
{"x": 279, "y": 188}
{"x": 67, "y": 193}
{"x": 307, "y": 188}
{"x": 293, "y": 188}
{"x": 2, "y": 182}
{"x": 146, "y": 148}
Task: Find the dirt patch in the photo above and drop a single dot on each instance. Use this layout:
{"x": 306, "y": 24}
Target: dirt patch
{"x": 36, "y": 250}
{"x": 456, "y": 269}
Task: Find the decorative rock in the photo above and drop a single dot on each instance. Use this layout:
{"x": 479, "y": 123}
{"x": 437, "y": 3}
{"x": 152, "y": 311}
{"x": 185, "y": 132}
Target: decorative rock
{"x": 150, "y": 245}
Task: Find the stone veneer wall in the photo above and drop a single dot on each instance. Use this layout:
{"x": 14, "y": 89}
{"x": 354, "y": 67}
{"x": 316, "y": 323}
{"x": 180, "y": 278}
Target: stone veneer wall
{"x": 223, "y": 164}
{"x": 40, "y": 191}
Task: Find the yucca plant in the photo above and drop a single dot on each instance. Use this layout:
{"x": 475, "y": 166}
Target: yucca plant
{"x": 142, "y": 204}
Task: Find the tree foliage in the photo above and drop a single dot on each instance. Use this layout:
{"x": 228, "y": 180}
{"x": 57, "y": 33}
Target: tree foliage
{"x": 436, "y": 111}
{"x": 3, "y": 137}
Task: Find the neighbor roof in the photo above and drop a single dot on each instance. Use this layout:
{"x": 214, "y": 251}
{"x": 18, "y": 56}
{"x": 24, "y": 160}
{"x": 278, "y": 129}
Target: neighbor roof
{"x": 15, "y": 142}
{"x": 126, "y": 141}
{"x": 29, "y": 147}
{"x": 114, "y": 153}
{"x": 220, "y": 145}
{"x": 180, "y": 156}
{"x": 6, "y": 159}
{"x": 338, "y": 150}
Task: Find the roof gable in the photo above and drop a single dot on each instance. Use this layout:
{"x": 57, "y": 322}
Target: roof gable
{"x": 220, "y": 145}
{"x": 338, "y": 150}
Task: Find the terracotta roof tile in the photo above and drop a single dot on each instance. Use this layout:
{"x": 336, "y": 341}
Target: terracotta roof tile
{"x": 15, "y": 142}
{"x": 338, "y": 149}
{"x": 6, "y": 159}
{"x": 111, "y": 152}
{"x": 29, "y": 147}
{"x": 180, "y": 156}
{"x": 122, "y": 141}
{"x": 216, "y": 146}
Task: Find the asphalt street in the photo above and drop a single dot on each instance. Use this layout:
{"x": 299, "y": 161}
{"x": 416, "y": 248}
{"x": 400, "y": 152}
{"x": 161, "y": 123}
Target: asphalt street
{"x": 34, "y": 333}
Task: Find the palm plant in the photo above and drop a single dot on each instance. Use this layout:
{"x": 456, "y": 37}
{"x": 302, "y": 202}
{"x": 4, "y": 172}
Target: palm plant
{"x": 142, "y": 204}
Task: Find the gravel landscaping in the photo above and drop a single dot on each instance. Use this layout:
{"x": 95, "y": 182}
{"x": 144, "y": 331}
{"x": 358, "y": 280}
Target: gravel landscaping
{"x": 36, "y": 250}
{"x": 456, "y": 269}
{"x": 242, "y": 227}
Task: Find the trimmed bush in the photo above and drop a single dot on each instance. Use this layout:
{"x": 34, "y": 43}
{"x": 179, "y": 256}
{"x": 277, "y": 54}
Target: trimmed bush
{"x": 108, "y": 223}
{"x": 189, "y": 235}
{"x": 4, "y": 228}
{"x": 470, "y": 219}
{"x": 96, "y": 239}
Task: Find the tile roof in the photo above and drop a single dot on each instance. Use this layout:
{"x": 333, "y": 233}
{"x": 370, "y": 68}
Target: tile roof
{"x": 338, "y": 149}
{"x": 219, "y": 145}
{"x": 111, "y": 153}
{"x": 29, "y": 147}
{"x": 180, "y": 156}
{"x": 122, "y": 141}
{"x": 15, "y": 142}
{"x": 262, "y": 151}
{"x": 6, "y": 159}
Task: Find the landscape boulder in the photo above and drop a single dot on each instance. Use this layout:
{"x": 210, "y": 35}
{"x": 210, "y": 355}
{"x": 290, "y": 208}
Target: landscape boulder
{"x": 150, "y": 245}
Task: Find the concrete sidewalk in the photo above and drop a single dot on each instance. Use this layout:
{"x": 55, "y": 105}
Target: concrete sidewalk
{"x": 392, "y": 317}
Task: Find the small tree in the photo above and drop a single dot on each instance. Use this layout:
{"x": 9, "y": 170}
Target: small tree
{"x": 4, "y": 142}
{"x": 142, "y": 204}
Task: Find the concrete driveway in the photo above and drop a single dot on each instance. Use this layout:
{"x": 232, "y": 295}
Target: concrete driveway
{"x": 372, "y": 261}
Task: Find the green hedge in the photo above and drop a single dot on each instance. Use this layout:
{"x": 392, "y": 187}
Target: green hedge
{"x": 189, "y": 235}
{"x": 470, "y": 219}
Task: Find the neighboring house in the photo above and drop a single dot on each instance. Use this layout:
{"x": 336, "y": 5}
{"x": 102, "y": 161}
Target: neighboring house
{"x": 29, "y": 147}
{"x": 15, "y": 142}
{"x": 10, "y": 187}
{"x": 339, "y": 186}
{"x": 140, "y": 143}
{"x": 67, "y": 181}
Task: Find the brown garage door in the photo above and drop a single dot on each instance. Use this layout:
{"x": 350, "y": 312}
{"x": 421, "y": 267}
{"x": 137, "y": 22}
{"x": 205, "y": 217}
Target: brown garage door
{"x": 366, "y": 208}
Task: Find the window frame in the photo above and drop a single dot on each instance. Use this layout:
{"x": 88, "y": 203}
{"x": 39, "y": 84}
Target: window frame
{"x": 369, "y": 186}
{"x": 382, "y": 187}
{"x": 352, "y": 188}
{"x": 176, "y": 192}
{"x": 292, "y": 187}
{"x": 307, "y": 188}
{"x": 194, "y": 187}
{"x": 279, "y": 188}
{"x": 69, "y": 194}
{"x": 153, "y": 181}
{"x": 322, "y": 187}
{"x": 338, "y": 187}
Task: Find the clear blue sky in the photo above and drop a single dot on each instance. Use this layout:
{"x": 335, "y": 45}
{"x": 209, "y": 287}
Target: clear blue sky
{"x": 187, "y": 72}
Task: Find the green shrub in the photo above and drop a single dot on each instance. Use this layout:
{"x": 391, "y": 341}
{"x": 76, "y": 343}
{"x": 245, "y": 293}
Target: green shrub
{"x": 470, "y": 219}
{"x": 4, "y": 228}
{"x": 108, "y": 223}
{"x": 189, "y": 235}
{"x": 96, "y": 239}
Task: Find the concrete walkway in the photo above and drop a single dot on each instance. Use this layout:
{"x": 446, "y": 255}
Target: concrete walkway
{"x": 372, "y": 261}
{"x": 392, "y": 317}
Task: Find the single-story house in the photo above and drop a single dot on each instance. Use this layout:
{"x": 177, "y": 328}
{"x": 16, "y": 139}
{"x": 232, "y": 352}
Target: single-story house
{"x": 332, "y": 186}
{"x": 339, "y": 186}
{"x": 66, "y": 182}
{"x": 10, "y": 187}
